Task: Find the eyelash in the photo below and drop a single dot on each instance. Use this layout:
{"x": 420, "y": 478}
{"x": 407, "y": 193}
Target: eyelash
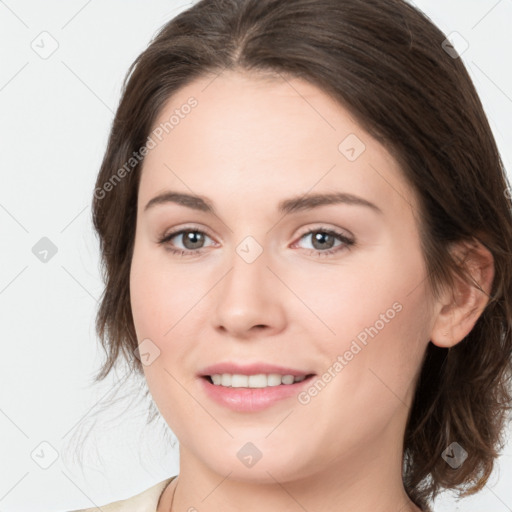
{"x": 348, "y": 243}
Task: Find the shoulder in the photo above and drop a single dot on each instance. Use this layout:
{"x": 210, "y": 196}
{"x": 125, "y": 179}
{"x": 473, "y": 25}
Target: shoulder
{"x": 145, "y": 501}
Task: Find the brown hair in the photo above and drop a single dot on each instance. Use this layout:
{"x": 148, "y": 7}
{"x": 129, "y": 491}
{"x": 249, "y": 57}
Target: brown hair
{"x": 385, "y": 62}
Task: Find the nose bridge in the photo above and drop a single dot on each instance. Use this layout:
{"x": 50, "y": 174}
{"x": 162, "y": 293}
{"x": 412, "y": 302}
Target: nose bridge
{"x": 249, "y": 270}
{"x": 248, "y": 294}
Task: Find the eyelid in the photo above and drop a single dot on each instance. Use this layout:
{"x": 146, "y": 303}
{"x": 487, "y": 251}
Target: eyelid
{"x": 178, "y": 230}
{"x": 325, "y": 227}
{"x": 347, "y": 242}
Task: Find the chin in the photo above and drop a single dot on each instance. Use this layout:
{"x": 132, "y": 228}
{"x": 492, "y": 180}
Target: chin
{"x": 258, "y": 461}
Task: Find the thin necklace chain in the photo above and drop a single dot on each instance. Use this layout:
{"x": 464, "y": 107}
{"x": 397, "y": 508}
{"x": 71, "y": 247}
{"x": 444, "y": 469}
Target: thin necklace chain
{"x": 173, "y": 493}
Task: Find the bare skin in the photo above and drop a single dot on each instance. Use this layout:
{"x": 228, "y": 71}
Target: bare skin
{"x": 247, "y": 145}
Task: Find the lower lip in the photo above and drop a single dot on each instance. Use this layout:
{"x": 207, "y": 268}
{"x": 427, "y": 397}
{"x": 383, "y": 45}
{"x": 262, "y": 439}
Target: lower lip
{"x": 252, "y": 399}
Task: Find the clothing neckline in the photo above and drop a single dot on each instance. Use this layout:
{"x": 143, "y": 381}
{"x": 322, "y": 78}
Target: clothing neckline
{"x": 168, "y": 483}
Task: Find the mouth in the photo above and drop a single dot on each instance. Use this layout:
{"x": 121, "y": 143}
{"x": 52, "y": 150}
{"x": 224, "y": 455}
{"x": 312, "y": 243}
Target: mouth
{"x": 252, "y": 393}
{"x": 255, "y": 381}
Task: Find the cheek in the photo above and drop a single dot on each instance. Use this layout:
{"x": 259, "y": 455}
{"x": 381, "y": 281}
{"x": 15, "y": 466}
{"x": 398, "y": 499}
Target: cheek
{"x": 394, "y": 342}
{"x": 159, "y": 293}
{"x": 381, "y": 320}
{"x": 144, "y": 297}
{"x": 369, "y": 382}
{"x": 359, "y": 300}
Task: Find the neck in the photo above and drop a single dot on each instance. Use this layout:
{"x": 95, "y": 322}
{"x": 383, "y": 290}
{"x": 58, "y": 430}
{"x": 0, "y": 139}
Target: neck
{"x": 359, "y": 480}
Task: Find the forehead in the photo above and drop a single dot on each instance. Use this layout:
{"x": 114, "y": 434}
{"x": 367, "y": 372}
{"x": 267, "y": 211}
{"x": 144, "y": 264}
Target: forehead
{"x": 251, "y": 134}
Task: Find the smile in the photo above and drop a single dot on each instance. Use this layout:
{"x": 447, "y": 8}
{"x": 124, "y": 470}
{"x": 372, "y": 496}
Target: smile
{"x": 260, "y": 380}
{"x": 262, "y": 392}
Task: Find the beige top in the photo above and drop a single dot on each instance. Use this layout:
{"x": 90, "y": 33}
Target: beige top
{"x": 146, "y": 501}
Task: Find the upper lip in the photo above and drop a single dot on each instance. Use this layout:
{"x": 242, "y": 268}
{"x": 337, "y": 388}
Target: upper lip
{"x": 250, "y": 369}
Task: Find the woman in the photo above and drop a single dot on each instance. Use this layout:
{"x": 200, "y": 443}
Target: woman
{"x": 369, "y": 374}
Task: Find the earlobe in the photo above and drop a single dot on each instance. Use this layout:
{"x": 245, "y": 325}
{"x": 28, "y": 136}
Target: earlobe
{"x": 458, "y": 310}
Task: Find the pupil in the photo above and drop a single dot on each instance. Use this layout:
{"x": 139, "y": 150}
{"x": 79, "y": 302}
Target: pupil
{"x": 319, "y": 238}
{"x": 192, "y": 236}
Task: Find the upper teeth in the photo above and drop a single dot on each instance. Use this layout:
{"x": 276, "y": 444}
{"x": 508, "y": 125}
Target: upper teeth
{"x": 260, "y": 380}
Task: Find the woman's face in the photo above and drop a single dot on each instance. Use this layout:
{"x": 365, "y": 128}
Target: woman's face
{"x": 348, "y": 302}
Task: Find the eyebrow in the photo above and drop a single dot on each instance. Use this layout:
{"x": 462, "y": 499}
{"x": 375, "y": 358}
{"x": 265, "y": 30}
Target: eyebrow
{"x": 294, "y": 204}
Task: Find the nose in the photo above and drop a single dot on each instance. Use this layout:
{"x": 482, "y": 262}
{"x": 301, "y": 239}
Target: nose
{"x": 250, "y": 299}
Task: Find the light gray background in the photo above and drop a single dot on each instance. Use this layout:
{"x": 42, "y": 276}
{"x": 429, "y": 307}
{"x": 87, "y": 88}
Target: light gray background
{"x": 55, "y": 119}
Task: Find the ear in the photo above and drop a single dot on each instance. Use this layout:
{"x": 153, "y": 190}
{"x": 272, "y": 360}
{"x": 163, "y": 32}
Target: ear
{"x": 458, "y": 310}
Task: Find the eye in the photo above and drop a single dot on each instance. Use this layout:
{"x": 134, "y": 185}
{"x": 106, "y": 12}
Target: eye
{"x": 324, "y": 239}
{"x": 192, "y": 239}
